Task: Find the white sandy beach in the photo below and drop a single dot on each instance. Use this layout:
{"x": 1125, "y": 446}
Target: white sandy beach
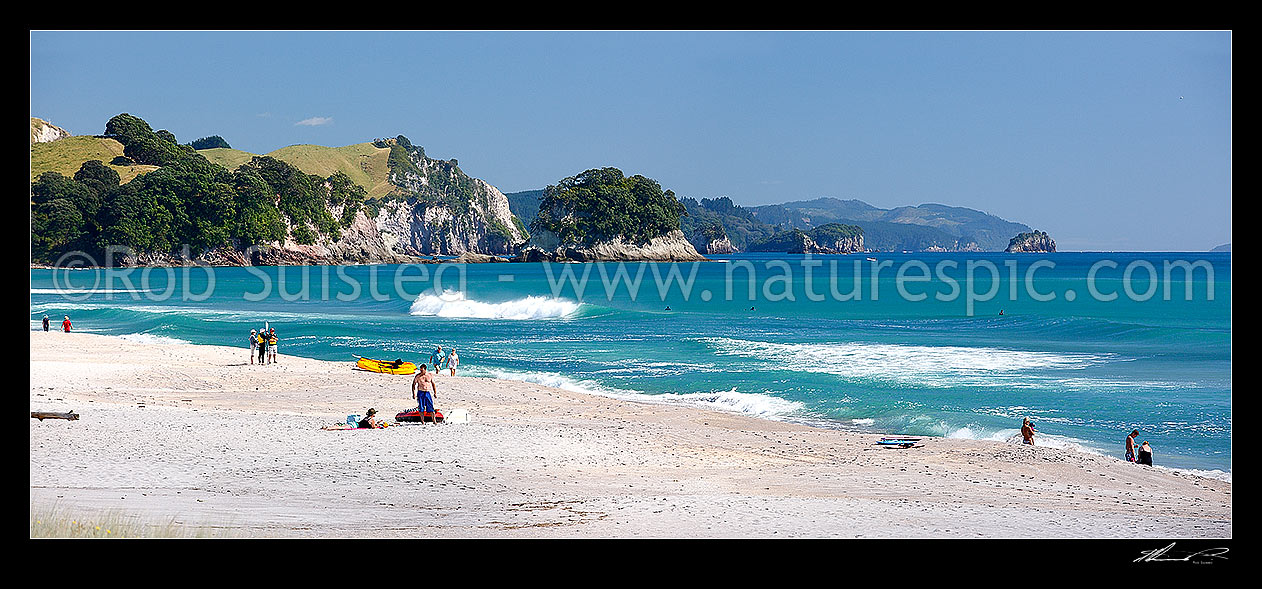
{"x": 198, "y": 434}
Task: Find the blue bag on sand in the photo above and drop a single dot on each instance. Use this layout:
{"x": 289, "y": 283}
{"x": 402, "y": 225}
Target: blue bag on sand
{"x": 352, "y": 420}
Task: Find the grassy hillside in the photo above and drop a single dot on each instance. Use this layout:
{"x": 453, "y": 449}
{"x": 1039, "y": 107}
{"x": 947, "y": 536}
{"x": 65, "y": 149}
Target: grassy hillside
{"x": 362, "y": 162}
{"x": 65, "y": 156}
{"x": 226, "y": 157}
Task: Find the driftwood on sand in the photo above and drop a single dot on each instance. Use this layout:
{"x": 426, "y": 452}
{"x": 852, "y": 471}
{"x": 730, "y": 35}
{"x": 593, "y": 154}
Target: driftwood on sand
{"x": 42, "y": 415}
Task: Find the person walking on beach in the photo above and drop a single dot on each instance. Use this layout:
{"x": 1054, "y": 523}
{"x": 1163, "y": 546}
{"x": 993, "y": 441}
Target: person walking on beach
{"x": 254, "y": 345}
{"x": 271, "y": 345}
{"x": 436, "y": 358}
{"x": 1145, "y": 454}
{"x": 65, "y": 325}
{"x": 1130, "y": 446}
{"x": 452, "y": 361}
{"x": 1027, "y": 431}
{"x": 45, "y": 322}
{"x": 422, "y": 386}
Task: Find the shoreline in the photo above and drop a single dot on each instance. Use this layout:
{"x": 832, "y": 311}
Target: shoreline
{"x": 197, "y": 433}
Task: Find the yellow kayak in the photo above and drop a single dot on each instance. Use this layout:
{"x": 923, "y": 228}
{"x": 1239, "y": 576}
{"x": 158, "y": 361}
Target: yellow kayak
{"x": 387, "y": 367}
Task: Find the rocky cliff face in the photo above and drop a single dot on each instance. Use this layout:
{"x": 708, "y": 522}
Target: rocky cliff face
{"x": 815, "y": 241}
{"x": 1034, "y": 241}
{"x": 671, "y": 247}
{"x": 843, "y": 245}
{"x": 360, "y": 243}
{"x": 438, "y": 210}
{"x": 43, "y": 131}
{"x": 718, "y": 246}
{"x": 957, "y": 247}
{"x": 706, "y": 244}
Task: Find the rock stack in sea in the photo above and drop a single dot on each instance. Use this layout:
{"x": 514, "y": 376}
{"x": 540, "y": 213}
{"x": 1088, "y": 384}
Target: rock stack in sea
{"x": 1032, "y": 242}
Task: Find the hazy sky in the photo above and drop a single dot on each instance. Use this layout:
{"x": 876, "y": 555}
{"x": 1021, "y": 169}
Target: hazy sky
{"x": 1106, "y": 140}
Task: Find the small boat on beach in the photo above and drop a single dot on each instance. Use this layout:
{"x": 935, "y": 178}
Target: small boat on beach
{"x": 418, "y": 416}
{"x": 385, "y": 366}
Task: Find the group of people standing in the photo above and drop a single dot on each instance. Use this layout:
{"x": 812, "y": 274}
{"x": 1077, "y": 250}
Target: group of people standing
{"x": 263, "y": 345}
{"x": 1140, "y": 454}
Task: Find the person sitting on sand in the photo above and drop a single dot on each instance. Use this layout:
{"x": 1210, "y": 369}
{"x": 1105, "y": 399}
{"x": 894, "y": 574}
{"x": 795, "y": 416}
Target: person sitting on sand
{"x": 1027, "y": 431}
{"x": 254, "y": 344}
{"x": 1145, "y": 454}
{"x": 370, "y": 420}
{"x": 453, "y": 361}
{"x": 1130, "y": 446}
{"x": 422, "y": 385}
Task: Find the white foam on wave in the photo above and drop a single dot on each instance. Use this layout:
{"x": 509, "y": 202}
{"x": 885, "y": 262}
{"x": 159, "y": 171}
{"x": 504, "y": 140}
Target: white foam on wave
{"x": 922, "y": 365}
{"x": 549, "y": 379}
{"x": 756, "y": 404}
{"x": 453, "y": 304}
{"x": 1209, "y": 474}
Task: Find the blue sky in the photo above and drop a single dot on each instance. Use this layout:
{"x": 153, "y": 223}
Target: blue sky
{"x": 1106, "y": 140}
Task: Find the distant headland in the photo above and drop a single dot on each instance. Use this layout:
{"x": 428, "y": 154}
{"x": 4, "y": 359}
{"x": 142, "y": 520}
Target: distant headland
{"x": 387, "y": 201}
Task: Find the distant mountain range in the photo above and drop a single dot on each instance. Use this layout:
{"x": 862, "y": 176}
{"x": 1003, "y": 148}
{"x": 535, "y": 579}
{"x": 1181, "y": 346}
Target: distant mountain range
{"x": 908, "y": 228}
{"x": 927, "y": 227}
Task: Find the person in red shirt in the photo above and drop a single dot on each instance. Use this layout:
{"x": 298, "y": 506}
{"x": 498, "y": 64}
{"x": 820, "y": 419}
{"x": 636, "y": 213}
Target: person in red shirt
{"x": 65, "y": 325}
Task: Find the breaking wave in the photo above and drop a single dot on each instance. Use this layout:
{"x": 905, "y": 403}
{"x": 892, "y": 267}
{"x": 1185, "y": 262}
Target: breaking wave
{"x": 454, "y": 305}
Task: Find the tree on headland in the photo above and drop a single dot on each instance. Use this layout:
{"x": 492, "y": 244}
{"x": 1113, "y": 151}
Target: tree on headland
{"x": 602, "y": 203}
{"x": 212, "y": 142}
{"x": 188, "y": 200}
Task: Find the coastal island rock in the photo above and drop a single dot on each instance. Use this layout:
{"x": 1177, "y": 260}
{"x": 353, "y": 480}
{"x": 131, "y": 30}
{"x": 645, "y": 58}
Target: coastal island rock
{"x": 833, "y": 238}
{"x": 602, "y": 215}
{"x": 1031, "y": 242}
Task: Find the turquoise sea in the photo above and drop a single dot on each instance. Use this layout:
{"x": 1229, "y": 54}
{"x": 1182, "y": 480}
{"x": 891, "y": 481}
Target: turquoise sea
{"x": 898, "y": 343}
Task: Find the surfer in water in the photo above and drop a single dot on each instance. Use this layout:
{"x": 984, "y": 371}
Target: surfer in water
{"x": 422, "y": 386}
{"x": 1027, "y": 432}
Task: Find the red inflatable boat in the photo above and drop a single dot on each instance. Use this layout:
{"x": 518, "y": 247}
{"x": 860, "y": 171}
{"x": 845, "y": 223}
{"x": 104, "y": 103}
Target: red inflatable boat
{"x": 417, "y": 416}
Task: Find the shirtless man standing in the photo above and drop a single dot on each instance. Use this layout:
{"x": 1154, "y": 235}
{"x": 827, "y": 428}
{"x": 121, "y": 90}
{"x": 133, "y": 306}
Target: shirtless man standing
{"x": 422, "y": 385}
{"x": 1130, "y": 446}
